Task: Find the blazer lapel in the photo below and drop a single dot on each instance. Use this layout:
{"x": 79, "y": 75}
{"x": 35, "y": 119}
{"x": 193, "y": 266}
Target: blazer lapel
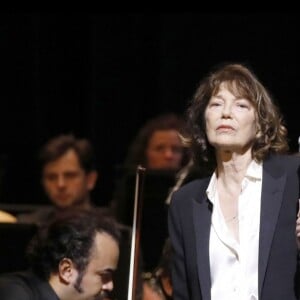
{"x": 202, "y": 220}
{"x": 272, "y": 193}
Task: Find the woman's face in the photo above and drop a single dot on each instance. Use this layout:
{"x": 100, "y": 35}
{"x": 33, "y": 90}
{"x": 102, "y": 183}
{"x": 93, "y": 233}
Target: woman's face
{"x": 165, "y": 150}
{"x": 230, "y": 122}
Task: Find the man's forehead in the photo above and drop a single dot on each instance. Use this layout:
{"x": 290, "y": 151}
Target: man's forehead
{"x": 68, "y": 160}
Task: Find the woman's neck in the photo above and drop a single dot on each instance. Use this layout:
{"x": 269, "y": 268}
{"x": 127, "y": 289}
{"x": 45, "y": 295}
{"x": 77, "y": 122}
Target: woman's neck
{"x": 233, "y": 165}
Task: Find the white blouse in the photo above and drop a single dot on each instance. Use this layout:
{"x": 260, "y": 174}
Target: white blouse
{"x": 233, "y": 264}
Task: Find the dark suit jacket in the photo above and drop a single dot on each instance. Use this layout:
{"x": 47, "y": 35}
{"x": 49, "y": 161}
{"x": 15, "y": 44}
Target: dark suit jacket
{"x": 25, "y": 286}
{"x": 189, "y": 223}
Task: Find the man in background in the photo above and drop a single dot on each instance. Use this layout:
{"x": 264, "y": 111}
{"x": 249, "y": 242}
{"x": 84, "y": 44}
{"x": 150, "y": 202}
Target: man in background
{"x": 72, "y": 258}
{"x": 68, "y": 175}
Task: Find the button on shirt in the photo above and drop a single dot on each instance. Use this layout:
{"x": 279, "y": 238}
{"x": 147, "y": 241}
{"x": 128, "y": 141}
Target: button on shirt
{"x": 233, "y": 264}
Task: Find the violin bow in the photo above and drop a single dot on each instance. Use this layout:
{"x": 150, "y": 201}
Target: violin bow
{"x": 136, "y": 230}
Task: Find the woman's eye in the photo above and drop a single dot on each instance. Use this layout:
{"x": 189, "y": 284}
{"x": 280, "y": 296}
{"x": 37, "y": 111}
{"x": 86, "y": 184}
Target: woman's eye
{"x": 215, "y": 104}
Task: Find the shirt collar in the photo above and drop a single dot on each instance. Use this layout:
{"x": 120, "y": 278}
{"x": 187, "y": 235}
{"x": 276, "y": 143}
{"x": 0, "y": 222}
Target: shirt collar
{"x": 253, "y": 173}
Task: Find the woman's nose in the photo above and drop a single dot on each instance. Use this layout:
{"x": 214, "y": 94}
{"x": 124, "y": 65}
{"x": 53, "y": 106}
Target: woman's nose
{"x": 227, "y": 110}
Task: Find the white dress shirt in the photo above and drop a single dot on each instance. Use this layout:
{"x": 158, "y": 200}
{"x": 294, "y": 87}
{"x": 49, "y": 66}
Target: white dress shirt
{"x": 234, "y": 264}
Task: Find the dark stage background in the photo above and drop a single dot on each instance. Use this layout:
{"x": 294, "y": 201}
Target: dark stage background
{"x": 101, "y": 76}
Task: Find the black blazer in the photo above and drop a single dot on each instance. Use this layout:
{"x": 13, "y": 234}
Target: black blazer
{"x": 25, "y": 286}
{"x": 189, "y": 222}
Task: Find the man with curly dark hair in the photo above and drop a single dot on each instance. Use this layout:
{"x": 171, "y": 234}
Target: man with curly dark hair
{"x": 74, "y": 257}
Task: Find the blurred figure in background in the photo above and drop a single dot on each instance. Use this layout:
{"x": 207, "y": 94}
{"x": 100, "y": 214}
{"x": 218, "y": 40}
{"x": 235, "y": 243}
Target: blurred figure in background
{"x": 157, "y": 147}
{"x": 68, "y": 176}
{"x": 158, "y": 284}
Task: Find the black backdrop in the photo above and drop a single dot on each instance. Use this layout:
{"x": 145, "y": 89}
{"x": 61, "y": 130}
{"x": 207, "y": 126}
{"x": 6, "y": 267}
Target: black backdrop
{"x": 101, "y": 76}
